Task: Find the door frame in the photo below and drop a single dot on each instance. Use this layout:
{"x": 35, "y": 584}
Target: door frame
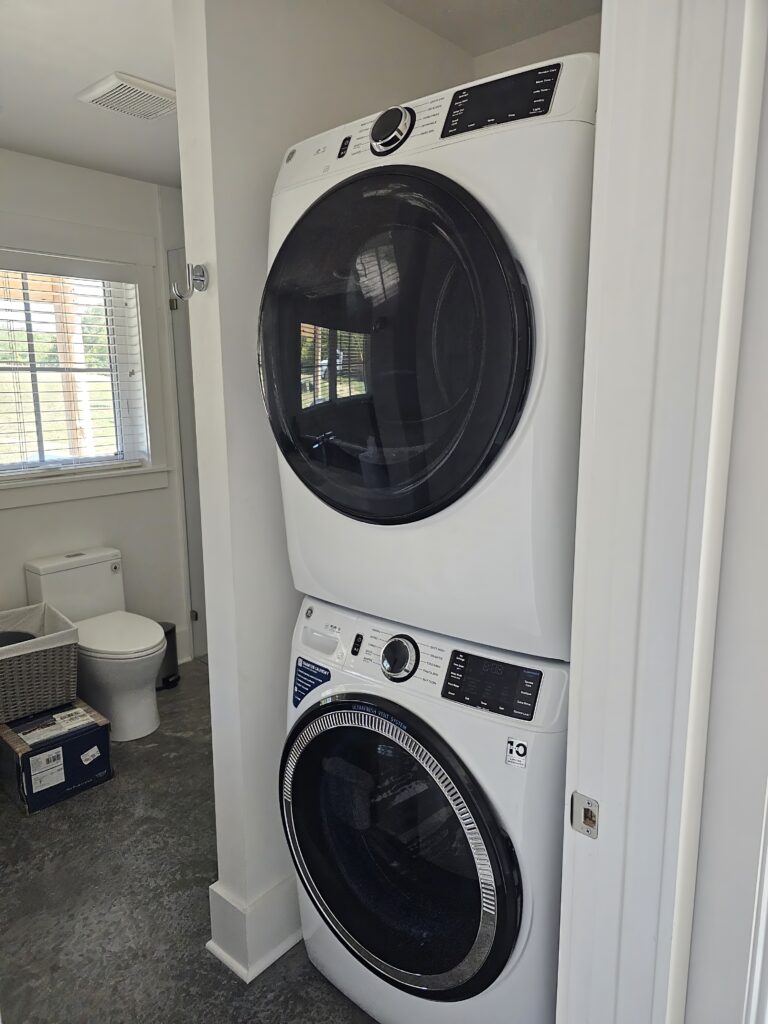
{"x": 674, "y": 172}
{"x": 182, "y": 362}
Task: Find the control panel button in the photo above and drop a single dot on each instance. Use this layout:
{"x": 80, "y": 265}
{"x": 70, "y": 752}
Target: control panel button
{"x": 399, "y": 658}
{"x": 491, "y": 685}
{"x": 344, "y": 147}
{"x": 357, "y": 644}
{"x": 391, "y": 129}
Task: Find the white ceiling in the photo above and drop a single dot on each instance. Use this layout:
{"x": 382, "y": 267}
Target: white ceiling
{"x": 51, "y": 49}
{"x": 480, "y": 26}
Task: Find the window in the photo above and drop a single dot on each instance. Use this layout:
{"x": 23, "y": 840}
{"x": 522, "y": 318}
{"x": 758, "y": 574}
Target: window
{"x": 71, "y": 374}
{"x": 320, "y": 380}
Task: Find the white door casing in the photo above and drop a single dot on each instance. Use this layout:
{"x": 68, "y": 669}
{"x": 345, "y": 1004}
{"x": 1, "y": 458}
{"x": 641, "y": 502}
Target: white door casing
{"x": 730, "y": 909}
{"x": 182, "y": 351}
{"x": 647, "y": 548}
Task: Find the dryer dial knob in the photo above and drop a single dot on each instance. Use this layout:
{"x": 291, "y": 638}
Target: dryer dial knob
{"x": 391, "y": 129}
{"x": 400, "y": 658}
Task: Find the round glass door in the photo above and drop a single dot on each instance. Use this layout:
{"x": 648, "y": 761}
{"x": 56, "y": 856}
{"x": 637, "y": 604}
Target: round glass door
{"x": 395, "y": 344}
{"x": 399, "y": 849}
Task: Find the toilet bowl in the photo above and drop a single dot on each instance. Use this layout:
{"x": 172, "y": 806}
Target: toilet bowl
{"x": 119, "y": 657}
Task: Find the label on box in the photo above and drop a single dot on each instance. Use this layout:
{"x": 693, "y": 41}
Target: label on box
{"x": 90, "y": 755}
{"x": 73, "y": 718}
{"x": 47, "y": 769}
{"x": 57, "y": 724}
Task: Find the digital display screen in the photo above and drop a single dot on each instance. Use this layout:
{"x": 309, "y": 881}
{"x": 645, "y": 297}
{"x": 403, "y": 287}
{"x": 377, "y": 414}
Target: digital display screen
{"x": 491, "y": 685}
{"x": 528, "y": 94}
{"x": 499, "y": 671}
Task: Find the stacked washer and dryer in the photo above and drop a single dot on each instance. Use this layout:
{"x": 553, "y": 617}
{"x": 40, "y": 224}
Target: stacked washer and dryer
{"x": 421, "y": 347}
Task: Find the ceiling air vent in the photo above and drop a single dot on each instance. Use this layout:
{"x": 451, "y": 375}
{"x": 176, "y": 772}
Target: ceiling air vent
{"x": 133, "y": 96}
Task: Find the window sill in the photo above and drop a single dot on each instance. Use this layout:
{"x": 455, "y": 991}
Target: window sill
{"x": 22, "y": 493}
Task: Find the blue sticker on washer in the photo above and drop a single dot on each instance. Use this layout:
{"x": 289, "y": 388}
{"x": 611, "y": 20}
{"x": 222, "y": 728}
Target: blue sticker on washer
{"x": 307, "y": 677}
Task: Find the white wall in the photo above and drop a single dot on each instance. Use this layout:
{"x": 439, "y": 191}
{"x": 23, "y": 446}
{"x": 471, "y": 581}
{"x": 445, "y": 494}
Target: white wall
{"x": 576, "y": 37}
{"x": 737, "y": 751}
{"x": 56, "y": 208}
{"x": 252, "y": 79}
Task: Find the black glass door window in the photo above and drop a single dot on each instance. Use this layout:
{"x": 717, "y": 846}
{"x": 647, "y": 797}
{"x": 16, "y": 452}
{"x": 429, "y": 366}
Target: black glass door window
{"x": 399, "y": 849}
{"x": 396, "y": 344}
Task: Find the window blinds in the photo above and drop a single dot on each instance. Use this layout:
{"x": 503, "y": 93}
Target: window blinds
{"x": 71, "y": 379}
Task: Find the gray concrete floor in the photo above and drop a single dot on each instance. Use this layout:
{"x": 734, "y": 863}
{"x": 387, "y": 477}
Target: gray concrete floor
{"x": 104, "y": 898}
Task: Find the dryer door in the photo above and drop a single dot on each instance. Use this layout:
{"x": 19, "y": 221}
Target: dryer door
{"x": 396, "y": 344}
{"x": 399, "y": 849}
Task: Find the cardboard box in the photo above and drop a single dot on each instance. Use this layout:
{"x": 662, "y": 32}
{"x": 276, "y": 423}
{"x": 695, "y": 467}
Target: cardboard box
{"x": 50, "y": 756}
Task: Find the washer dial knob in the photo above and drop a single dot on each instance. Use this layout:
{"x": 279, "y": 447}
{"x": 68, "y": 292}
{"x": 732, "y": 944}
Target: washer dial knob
{"x": 391, "y": 129}
{"x": 400, "y": 658}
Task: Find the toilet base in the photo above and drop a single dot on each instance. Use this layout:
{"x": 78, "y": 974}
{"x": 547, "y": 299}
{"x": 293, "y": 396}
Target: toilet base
{"x": 123, "y": 691}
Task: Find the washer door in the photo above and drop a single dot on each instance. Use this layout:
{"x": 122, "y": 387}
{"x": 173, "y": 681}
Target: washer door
{"x": 399, "y": 849}
{"x": 396, "y": 344}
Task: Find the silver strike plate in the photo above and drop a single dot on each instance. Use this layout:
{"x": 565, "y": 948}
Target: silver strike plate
{"x": 585, "y": 813}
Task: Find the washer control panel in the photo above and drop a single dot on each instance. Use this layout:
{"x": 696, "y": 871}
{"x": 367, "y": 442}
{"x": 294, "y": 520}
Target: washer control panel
{"x": 490, "y": 685}
{"x": 333, "y": 647}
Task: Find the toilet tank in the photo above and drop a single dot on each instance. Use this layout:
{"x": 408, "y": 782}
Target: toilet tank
{"x": 79, "y": 583}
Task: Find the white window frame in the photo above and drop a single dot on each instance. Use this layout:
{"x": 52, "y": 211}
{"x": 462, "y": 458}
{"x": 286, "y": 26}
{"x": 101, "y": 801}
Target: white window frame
{"x": 50, "y": 484}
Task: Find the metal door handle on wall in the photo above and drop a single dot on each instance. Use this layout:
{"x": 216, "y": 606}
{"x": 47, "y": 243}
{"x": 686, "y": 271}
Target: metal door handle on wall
{"x": 197, "y": 281}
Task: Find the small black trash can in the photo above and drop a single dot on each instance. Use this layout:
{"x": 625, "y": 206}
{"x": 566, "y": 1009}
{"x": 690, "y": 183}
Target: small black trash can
{"x": 168, "y": 676}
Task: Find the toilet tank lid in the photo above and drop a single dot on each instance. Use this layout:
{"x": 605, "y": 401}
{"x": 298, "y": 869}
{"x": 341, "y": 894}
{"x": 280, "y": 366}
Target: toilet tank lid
{"x": 71, "y": 560}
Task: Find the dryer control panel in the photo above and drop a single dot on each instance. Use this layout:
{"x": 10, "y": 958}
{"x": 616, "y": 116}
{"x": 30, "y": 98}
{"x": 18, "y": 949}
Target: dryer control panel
{"x": 491, "y": 685}
{"x": 512, "y": 98}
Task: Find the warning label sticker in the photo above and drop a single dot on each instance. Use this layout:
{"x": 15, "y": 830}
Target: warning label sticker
{"x": 517, "y": 752}
{"x": 307, "y": 677}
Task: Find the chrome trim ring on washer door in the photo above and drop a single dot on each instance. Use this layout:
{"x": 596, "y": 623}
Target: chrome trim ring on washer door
{"x": 370, "y": 718}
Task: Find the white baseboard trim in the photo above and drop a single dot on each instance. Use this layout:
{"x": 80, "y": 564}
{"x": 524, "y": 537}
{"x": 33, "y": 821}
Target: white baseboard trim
{"x": 249, "y": 974}
{"x": 247, "y": 938}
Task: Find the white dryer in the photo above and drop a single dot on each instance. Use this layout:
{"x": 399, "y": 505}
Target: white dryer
{"x": 421, "y": 346}
{"x": 422, "y": 794}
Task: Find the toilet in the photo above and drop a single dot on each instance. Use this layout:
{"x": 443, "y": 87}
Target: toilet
{"x": 120, "y": 653}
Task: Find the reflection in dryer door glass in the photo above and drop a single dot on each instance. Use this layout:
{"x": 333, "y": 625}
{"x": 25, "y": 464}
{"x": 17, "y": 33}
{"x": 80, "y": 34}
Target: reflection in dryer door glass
{"x": 396, "y": 345}
{"x": 321, "y": 381}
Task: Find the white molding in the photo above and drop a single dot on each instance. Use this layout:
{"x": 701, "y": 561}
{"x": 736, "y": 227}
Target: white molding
{"x": 251, "y": 973}
{"x": 249, "y": 937}
{"x": 756, "y": 996}
{"x": 23, "y": 493}
{"x": 663, "y": 171}
{"x": 27, "y": 233}
{"x": 746, "y": 142}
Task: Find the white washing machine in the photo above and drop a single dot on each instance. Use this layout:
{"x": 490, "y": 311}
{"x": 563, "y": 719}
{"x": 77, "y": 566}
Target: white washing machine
{"x": 421, "y": 345}
{"x": 422, "y": 794}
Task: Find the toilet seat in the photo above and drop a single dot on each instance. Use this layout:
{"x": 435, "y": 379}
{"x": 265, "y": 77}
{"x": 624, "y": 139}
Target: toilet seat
{"x": 120, "y": 636}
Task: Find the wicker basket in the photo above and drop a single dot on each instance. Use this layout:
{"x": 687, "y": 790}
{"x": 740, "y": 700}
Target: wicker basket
{"x": 40, "y": 673}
